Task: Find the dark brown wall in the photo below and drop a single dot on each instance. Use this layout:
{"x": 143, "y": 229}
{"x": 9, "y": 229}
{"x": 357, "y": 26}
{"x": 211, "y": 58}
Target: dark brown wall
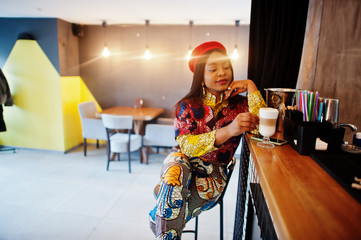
{"x": 338, "y": 69}
{"x": 161, "y": 81}
{"x": 68, "y": 50}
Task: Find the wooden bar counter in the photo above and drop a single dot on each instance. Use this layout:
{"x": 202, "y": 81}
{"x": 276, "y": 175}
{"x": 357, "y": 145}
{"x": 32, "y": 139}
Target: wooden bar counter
{"x": 303, "y": 201}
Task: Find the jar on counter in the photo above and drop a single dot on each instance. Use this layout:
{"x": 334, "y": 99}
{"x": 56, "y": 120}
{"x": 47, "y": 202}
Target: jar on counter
{"x": 357, "y": 139}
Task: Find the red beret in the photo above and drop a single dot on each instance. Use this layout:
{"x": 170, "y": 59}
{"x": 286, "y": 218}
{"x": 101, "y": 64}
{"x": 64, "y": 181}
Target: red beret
{"x": 202, "y": 49}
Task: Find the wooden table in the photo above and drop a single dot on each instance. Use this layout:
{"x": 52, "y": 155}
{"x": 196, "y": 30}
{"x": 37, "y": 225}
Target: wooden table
{"x": 140, "y": 116}
{"x": 303, "y": 201}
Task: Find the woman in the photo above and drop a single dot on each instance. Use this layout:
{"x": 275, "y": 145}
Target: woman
{"x": 209, "y": 122}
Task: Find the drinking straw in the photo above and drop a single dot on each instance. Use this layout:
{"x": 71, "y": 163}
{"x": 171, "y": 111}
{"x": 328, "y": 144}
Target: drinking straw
{"x": 304, "y": 98}
{"x": 320, "y": 111}
{"x": 301, "y": 106}
{"x": 313, "y": 98}
{"x": 315, "y": 106}
{"x": 302, "y": 101}
{"x": 310, "y": 107}
{"x": 307, "y": 106}
{"x": 299, "y": 101}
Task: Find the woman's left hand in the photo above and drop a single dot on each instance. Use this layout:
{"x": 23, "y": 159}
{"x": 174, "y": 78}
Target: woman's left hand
{"x": 240, "y": 86}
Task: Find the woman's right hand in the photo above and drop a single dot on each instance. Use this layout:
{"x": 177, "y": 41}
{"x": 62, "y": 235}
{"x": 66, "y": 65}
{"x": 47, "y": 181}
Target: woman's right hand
{"x": 244, "y": 122}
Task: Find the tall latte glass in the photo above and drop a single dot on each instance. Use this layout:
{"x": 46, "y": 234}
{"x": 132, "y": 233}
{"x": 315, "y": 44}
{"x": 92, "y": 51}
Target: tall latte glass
{"x": 267, "y": 125}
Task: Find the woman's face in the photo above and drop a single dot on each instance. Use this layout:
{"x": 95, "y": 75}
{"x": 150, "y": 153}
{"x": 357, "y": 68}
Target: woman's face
{"x": 217, "y": 73}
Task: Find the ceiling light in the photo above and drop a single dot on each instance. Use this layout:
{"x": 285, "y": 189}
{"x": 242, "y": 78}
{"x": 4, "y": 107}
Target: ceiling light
{"x": 105, "y": 52}
{"x": 147, "y": 55}
{"x": 190, "y": 41}
{"x": 235, "y": 54}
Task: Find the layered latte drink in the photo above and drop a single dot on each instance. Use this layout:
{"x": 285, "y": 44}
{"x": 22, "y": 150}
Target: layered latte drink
{"x": 267, "y": 121}
{"x": 267, "y": 124}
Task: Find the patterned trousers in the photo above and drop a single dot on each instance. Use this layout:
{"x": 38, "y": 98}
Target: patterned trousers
{"x": 187, "y": 187}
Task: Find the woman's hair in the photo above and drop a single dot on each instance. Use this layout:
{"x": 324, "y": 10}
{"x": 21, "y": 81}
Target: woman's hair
{"x": 195, "y": 92}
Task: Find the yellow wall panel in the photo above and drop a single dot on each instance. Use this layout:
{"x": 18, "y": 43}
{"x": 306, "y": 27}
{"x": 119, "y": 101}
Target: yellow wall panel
{"x": 70, "y": 92}
{"x": 74, "y": 91}
{"x": 45, "y": 112}
{"x": 36, "y": 119}
{"x": 86, "y": 95}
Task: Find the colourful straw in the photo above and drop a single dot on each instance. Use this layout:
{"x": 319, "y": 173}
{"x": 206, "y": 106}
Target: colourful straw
{"x": 310, "y": 102}
{"x": 320, "y": 111}
{"x": 315, "y": 105}
{"x": 305, "y": 111}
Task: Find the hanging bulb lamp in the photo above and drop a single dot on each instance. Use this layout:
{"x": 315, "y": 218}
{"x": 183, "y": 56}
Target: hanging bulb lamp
{"x": 147, "y": 55}
{"x": 188, "y": 57}
{"x": 105, "y": 52}
{"x": 235, "y": 54}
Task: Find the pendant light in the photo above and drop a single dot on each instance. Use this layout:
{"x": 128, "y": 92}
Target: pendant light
{"x": 235, "y": 54}
{"x": 105, "y": 52}
{"x": 147, "y": 54}
{"x": 190, "y": 41}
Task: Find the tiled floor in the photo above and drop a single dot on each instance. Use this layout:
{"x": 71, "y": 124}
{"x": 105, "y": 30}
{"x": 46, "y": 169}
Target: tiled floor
{"x": 50, "y": 195}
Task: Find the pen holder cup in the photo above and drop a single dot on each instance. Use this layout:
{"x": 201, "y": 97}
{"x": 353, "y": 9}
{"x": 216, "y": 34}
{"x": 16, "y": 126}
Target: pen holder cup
{"x": 302, "y": 135}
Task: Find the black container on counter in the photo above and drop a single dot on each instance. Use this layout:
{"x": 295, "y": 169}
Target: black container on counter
{"x": 302, "y": 135}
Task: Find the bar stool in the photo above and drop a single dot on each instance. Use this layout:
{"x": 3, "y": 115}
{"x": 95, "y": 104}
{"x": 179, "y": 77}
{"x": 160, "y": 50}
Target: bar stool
{"x": 219, "y": 201}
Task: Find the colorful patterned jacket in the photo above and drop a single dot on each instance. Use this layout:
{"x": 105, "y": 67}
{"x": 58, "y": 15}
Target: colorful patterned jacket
{"x": 196, "y": 124}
